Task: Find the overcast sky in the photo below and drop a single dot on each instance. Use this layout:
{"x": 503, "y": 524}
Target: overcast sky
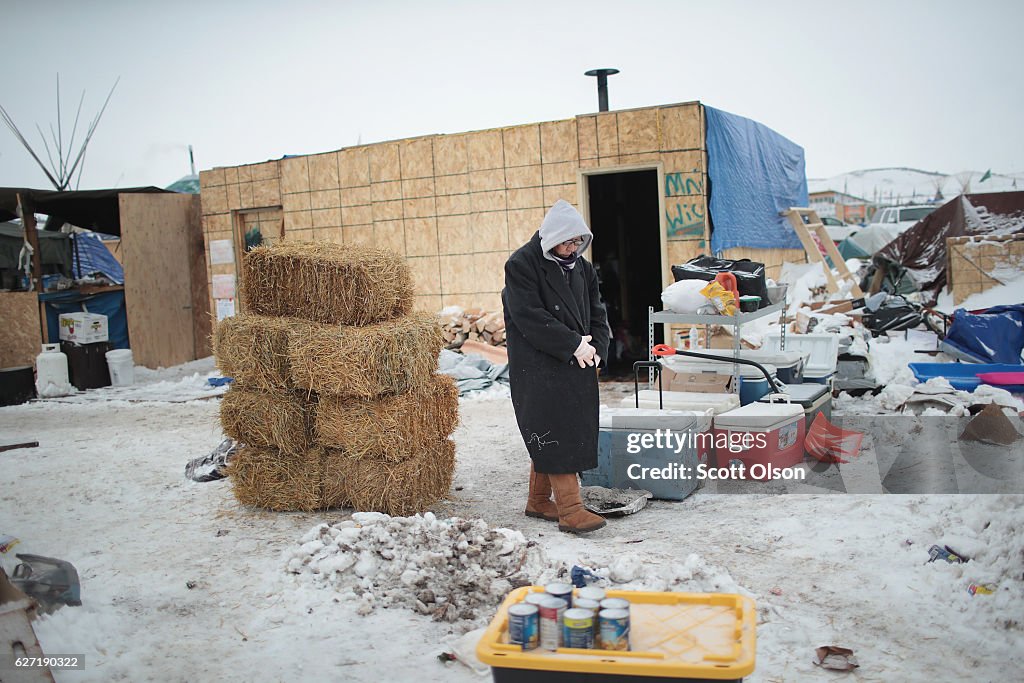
{"x": 929, "y": 85}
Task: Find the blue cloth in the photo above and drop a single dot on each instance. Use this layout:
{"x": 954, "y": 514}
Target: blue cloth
{"x": 995, "y": 336}
{"x": 110, "y": 304}
{"x": 755, "y": 173}
{"x": 90, "y": 256}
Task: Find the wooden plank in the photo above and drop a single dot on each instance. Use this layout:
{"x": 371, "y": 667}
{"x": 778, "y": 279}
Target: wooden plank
{"x": 811, "y": 247}
{"x": 202, "y": 322}
{"x": 28, "y": 220}
{"x": 837, "y": 259}
{"x": 20, "y": 339}
{"x": 13, "y": 446}
{"x": 155, "y": 238}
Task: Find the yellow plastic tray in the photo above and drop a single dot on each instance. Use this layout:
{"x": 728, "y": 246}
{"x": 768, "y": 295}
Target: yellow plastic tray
{"x": 673, "y": 635}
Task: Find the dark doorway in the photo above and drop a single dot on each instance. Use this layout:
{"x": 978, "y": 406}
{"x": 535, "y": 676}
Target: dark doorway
{"x": 625, "y": 220}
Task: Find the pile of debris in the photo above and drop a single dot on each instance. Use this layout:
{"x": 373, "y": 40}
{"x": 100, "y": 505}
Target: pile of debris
{"x": 471, "y": 324}
{"x": 336, "y": 397}
{"x": 451, "y": 569}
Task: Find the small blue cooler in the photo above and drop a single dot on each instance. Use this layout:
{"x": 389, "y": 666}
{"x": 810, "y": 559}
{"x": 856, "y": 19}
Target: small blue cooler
{"x": 621, "y": 430}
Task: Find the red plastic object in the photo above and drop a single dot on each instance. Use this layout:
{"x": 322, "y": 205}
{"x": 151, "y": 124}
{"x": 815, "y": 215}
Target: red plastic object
{"x": 829, "y": 443}
{"x": 728, "y": 280}
{"x": 663, "y": 350}
{"x": 997, "y": 378}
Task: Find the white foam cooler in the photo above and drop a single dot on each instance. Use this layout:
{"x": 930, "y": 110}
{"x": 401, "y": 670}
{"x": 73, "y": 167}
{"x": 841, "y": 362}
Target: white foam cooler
{"x": 622, "y": 430}
{"x": 683, "y": 400}
{"x": 822, "y": 350}
{"x": 782, "y": 445}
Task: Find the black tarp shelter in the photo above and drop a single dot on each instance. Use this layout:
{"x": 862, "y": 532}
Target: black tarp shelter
{"x": 920, "y": 253}
{"x": 96, "y": 210}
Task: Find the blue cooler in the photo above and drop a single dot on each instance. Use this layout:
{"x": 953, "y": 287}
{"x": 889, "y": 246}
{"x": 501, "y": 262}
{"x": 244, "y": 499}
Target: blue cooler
{"x": 618, "y": 468}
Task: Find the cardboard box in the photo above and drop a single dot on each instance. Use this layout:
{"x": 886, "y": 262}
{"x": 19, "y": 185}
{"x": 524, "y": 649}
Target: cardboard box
{"x": 701, "y": 382}
{"x": 17, "y": 637}
{"x": 83, "y": 328}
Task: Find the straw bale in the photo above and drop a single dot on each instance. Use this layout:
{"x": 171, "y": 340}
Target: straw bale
{"x": 398, "y": 489}
{"x": 279, "y": 419}
{"x": 253, "y": 349}
{"x": 365, "y": 362}
{"x": 325, "y": 282}
{"x": 392, "y": 428}
{"x": 271, "y": 479}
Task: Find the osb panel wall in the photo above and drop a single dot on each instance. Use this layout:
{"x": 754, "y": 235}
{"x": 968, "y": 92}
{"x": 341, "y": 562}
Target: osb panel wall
{"x": 977, "y": 264}
{"x": 20, "y": 335}
{"x": 457, "y": 205}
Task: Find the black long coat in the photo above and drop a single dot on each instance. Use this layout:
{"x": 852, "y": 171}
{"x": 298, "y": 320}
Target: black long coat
{"x": 555, "y": 400}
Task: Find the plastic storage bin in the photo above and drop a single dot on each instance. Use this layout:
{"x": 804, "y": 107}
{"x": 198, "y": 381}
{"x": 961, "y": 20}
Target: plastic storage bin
{"x": 964, "y": 376}
{"x": 673, "y": 637}
{"x": 622, "y": 430}
{"x": 822, "y": 350}
{"x": 783, "y": 427}
{"x": 87, "y": 364}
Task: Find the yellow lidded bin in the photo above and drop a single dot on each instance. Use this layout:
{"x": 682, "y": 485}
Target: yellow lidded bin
{"x": 673, "y": 637}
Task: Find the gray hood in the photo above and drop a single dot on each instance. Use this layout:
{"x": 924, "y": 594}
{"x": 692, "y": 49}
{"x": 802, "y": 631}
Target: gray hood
{"x": 563, "y": 222}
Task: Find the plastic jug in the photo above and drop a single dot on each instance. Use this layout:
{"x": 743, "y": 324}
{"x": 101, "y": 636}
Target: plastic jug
{"x": 52, "y": 373}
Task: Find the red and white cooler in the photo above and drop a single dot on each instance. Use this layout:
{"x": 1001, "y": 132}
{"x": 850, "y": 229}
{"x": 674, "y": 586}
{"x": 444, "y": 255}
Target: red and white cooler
{"x": 771, "y": 436}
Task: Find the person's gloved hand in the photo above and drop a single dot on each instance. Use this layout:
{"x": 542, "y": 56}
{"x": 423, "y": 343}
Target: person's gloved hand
{"x": 585, "y": 353}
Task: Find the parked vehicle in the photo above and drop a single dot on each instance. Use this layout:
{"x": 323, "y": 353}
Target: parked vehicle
{"x": 887, "y": 224}
{"x": 901, "y": 217}
{"x": 838, "y": 230}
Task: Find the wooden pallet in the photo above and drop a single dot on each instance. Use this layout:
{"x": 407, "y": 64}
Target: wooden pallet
{"x": 806, "y": 222}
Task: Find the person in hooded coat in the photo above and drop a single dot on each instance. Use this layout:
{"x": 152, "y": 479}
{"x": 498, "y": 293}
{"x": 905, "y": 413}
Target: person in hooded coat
{"x": 557, "y": 333}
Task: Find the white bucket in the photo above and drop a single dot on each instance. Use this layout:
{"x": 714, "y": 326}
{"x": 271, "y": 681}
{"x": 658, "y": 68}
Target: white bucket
{"x": 122, "y": 367}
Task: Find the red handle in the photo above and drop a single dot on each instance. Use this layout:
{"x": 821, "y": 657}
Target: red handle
{"x": 663, "y": 350}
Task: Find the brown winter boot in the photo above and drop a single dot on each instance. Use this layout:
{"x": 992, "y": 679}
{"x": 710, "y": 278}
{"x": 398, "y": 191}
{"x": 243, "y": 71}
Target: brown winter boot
{"x": 572, "y": 516}
{"x": 539, "y": 502}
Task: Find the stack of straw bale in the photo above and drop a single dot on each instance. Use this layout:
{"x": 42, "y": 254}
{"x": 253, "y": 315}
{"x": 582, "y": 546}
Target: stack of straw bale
{"x": 336, "y": 397}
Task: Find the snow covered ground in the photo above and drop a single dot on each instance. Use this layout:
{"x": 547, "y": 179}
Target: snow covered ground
{"x": 181, "y": 583}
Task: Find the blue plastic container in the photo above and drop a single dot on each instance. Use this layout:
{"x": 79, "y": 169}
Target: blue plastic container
{"x": 964, "y": 376}
{"x": 617, "y": 467}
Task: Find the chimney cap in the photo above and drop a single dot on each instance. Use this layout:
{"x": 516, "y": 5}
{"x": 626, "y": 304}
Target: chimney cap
{"x": 601, "y": 72}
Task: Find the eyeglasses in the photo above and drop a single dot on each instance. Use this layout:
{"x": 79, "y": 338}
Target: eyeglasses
{"x": 574, "y": 242}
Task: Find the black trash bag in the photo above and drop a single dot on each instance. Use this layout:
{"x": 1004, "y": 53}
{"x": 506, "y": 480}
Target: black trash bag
{"x": 213, "y": 466}
{"x": 893, "y": 313}
{"x": 750, "y": 278}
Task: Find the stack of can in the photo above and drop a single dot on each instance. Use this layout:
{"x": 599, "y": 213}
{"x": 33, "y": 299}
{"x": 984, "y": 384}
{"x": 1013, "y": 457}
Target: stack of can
{"x": 556, "y": 618}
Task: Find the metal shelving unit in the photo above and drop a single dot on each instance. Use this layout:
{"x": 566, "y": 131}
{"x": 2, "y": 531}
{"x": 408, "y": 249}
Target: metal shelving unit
{"x": 734, "y": 321}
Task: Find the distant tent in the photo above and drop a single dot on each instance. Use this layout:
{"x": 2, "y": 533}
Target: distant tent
{"x": 187, "y": 185}
{"x": 920, "y": 253}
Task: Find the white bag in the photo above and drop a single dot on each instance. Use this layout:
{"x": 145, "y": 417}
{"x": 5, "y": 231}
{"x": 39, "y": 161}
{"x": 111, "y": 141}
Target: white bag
{"x": 684, "y": 296}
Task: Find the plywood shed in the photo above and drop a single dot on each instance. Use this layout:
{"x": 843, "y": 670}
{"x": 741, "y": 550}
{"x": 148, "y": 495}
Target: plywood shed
{"x": 979, "y": 263}
{"x": 330, "y": 413}
{"x": 455, "y": 206}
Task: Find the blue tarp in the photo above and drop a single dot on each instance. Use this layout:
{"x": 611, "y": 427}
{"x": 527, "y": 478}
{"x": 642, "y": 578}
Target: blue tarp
{"x": 91, "y": 256}
{"x": 755, "y": 173}
{"x": 110, "y": 304}
{"x": 995, "y": 336}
